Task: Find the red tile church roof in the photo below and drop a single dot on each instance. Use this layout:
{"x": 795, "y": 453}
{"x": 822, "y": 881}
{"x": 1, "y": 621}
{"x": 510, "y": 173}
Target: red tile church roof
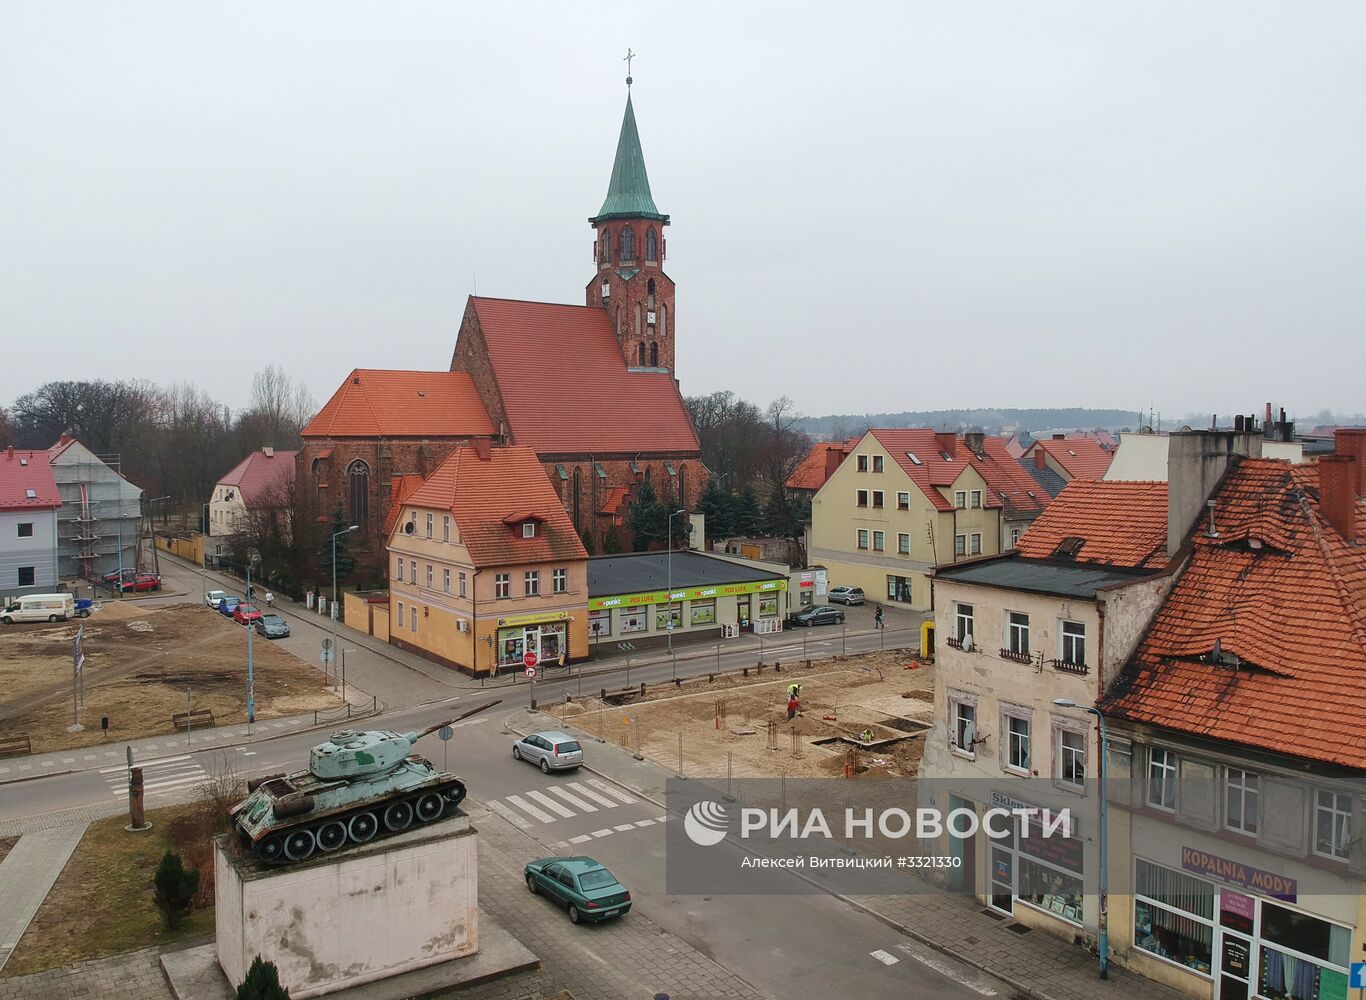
{"x": 565, "y": 385}
{"x": 381, "y": 403}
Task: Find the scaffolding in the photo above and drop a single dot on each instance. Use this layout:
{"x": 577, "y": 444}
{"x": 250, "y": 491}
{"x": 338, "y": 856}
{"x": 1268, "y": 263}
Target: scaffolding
{"x": 100, "y": 522}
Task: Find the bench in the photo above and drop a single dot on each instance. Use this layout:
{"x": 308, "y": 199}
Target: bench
{"x": 199, "y": 717}
{"x": 15, "y": 746}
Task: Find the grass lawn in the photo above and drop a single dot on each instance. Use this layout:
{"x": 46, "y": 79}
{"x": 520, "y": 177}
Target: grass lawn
{"x": 102, "y": 903}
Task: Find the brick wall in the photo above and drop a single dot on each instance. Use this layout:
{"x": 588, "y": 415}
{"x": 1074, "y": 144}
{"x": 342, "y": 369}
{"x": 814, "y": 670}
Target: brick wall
{"x": 594, "y": 489}
{"x": 471, "y": 356}
{"x": 630, "y": 294}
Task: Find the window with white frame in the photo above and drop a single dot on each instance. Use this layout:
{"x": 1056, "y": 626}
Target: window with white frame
{"x": 1014, "y": 537}
{"x": 430, "y": 519}
{"x": 412, "y": 618}
{"x": 531, "y": 583}
{"x": 1017, "y": 743}
{"x": 963, "y": 723}
{"x": 962, "y": 621}
{"x": 1017, "y": 627}
{"x": 529, "y": 529}
{"x": 445, "y": 527}
{"x": 903, "y": 543}
{"x": 1332, "y": 824}
{"x": 445, "y": 581}
{"x": 429, "y": 576}
{"x": 976, "y": 500}
{"x": 1174, "y": 915}
{"x": 879, "y": 541}
{"x": 877, "y": 463}
{"x": 502, "y": 585}
{"x": 412, "y": 571}
{"x": 398, "y": 574}
{"x": 400, "y": 614}
{"x": 960, "y": 499}
{"x": 960, "y": 545}
{"x": 863, "y": 498}
{"x": 863, "y": 538}
{"x": 975, "y": 543}
{"x": 1162, "y": 778}
{"x": 1071, "y": 757}
{"x": 877, "y": 498}
{"x": 461, "y": 581}
{"x": 1072, "y": 643}
{"x": 863, "y": 463}
{"x": 560, "y": 580}
{"x": 1240, "y": 800}
{"x": 903, "y": 501}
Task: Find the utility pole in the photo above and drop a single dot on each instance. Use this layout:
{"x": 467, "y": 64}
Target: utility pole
{"x": 251, "y": 665}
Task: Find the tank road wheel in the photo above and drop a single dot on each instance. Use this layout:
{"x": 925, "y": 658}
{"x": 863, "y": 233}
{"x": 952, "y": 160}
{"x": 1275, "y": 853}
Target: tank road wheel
{"x": 362, "y": 827}
{"x": 299, "y": 844}
{"x": 430, "y": 807}
{"x": 271, "y": 850}
{"x": 331, "y": 835}
{"x": 398, "y": 816}
{"x": 455, "y": 795}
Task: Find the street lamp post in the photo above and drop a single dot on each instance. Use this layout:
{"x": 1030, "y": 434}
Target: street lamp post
{"x": 1103, "y": 928}
{"x": 251, "y": 666}
{"x": 332, "y": 611}
{"x": 669, "y": 571}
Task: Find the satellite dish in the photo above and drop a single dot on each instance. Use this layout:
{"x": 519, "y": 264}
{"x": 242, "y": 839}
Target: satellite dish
{"x": 409, "y": 528}
{"x": 1218, "y": 651}
{"x": 967, "y": 643}
{"x": 969, "y": 734}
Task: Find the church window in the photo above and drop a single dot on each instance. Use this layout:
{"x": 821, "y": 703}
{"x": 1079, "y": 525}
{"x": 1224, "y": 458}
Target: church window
{"x": 628, "y": 244}
{"x": 650, "y": 293}
{"x": 663, "y": 321}
{"x": 605, "y": 251}
{"x": 316, "y": 463}
{"x": 683, "y": 487}
{"x": 358, "y": 479}
{"x": 637, "y": 331}
{"x": 654, "y": 355}
{"x": 641, "y": 346}
{"x": 651, "y": 245}
{"x": 578, "y": 495}
{"x": 648, "y": 476}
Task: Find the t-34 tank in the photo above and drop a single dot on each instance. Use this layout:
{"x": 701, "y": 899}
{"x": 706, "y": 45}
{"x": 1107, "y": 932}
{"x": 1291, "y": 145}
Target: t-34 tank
{"x": 359, "y": 785}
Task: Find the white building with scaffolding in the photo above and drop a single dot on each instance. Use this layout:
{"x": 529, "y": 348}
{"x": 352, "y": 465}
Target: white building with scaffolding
{"x": 100, "y": 519}
{"x": 28, "y": 524}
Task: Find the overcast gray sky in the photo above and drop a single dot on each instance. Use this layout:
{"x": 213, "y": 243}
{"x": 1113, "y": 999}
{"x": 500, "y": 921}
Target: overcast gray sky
{"x": 875, "y": 206}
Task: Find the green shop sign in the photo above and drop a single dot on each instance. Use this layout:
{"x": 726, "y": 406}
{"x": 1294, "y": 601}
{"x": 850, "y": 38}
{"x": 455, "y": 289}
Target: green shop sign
{"x": 688, "y": 594}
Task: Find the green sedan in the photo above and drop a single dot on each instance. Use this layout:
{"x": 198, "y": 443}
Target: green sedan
{"x": 588, "y": 889}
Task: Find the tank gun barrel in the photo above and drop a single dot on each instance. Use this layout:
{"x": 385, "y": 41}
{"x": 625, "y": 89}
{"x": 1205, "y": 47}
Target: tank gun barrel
{"x": 414, "y": 737}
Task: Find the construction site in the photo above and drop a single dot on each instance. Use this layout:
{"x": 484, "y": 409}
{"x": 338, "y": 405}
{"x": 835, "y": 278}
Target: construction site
{"x": 100, "y": 523}
{"x": 860, "y": 716}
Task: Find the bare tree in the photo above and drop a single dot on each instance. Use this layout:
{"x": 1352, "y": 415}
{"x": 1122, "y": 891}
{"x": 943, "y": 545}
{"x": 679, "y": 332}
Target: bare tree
{"x": 280, "y": 408}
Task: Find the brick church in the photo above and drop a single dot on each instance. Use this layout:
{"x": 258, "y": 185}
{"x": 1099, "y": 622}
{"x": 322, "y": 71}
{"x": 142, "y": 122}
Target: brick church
{"x": 610, "y": 418}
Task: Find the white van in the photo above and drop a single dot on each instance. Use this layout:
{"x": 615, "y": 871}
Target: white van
{"x": 39, "y": 608}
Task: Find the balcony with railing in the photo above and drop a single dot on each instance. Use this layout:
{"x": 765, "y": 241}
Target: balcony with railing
{"x": 1068, "y": 667}
{"x": 1010, "y": 654}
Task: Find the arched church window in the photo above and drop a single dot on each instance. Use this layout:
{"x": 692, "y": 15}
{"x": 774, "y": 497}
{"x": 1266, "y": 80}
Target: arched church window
{"x": 642, "y": 354}
{"x": 650, "y": 294}
{"x": 654, "y": 355}
{"x": 683, "y": 487}
{"x": 358, "y": 492}
{"x": 628, "y": 244}
{"x": 605, "y": 251}
{"x": 317, "y": 463}
{"x": 578, "y": 498}
{"x": 649, "y": 476}
{"x": 651, "y": 244}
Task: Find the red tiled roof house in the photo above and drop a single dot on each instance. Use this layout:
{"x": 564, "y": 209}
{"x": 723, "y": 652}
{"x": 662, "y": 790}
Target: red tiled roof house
{"x": 29, "y": 503}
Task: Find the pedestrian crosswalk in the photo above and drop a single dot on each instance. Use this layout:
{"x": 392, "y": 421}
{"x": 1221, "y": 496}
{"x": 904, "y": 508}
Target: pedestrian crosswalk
{"x": 562, "y": 800}
{"x": 166, "y": 775}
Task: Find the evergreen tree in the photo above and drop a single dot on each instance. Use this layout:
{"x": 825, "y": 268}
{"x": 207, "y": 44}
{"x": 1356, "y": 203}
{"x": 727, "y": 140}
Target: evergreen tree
{"x": 262, "y": 982}
{"x": 611, "y": 544}
{"x": 587, "y": 538}
{"x": 749, "y": 519}
{"x": 175, "y": 889}
{"x": 715, "y": 506}
{"x": 648, "y": 519}
{"x": 346, "y": 565}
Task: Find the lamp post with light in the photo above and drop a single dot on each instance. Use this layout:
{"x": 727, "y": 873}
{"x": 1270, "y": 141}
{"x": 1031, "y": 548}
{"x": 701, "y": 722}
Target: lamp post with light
{"x": 332, "y": 611}
{"x": 669, "y": 572}
{"x": 1103, "y": 928}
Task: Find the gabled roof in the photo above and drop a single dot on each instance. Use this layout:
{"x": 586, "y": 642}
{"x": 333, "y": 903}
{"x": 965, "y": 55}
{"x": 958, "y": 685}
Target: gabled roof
{"x": 1008, "y": 486}
{"x": 614, "y": 500}
{"x": 23, "y": 473}
{"x": 1118, "y": 524}
{"x": 481, "y": 493}
{"x": 1080, "y": 458}
{"x": 628, "y": 192}
{"x": 1284, "y": 596}
{"x": 593, "y": 404}
{"x": 400, "y": 489}
{"x": 1052, "y": 483}
{"x": 381, "y": 403}
{"x": 814, "y": 470}
{"x": 261, "y": 478}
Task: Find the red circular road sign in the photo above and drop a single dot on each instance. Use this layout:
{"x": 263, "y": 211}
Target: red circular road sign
{"x": 530, "y": 658}
{"x": 531, "y": 672}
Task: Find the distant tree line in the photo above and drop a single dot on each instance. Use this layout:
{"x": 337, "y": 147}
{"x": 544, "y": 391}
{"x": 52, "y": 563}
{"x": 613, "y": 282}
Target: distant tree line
{"x": 837, "y": 427}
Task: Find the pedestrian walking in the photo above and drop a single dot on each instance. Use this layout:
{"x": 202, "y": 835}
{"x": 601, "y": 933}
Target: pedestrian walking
{"x": 877, "y": 618}
{"x": 270, "y": 599}
{"x": 792, "y": 706}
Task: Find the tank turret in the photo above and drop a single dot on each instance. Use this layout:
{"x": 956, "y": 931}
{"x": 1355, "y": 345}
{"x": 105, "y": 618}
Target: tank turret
{"x": 359, "y": 785}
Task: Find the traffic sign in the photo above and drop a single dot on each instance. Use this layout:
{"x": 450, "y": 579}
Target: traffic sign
{"x": 531, "y": 672}
{"x": 530, "y": 658}
{"x": 445, "y": 733}
{"x": 1359, "y": 975}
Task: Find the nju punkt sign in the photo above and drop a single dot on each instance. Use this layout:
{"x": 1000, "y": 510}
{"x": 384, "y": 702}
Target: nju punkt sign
{"x": 1236, "y": 873}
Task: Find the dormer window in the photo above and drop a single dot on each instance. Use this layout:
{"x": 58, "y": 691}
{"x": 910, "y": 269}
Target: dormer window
{"x": 529, "y": 529}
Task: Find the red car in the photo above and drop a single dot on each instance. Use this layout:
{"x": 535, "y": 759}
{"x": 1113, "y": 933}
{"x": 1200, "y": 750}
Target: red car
{"x": 128, "y": 574}
{"x": 143, "y": 581}
{"x": 245, "y": 614}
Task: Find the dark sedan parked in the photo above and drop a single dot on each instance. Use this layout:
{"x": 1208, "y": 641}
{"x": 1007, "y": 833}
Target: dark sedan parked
{"x": 818, "y": 614}
{"x": 581, "y": 885}
{"x": 272, "y": 626}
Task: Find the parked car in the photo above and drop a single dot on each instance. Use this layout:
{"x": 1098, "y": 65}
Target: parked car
{"x": 845, "y": 595}
{"x": 272, "y": 626}
{"x": 817, "y": 614}
{"x": 228, "y": 605}
{"x": 213, "y": 597}
{"x": 553, "y": 750}
{"x": 127, "y": 573}
{"x": 244, "y": 614}
{"x": 140, "y": 582}
{"x": 39, "y": 608}
{"x": 583, "y": 886}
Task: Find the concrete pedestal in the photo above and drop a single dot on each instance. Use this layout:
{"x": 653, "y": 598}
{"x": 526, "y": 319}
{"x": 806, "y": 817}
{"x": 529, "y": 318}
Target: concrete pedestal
{"x": 361, "y": 914}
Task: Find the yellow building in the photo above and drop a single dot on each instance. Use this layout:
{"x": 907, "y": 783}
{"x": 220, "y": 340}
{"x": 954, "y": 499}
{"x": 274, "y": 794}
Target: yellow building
{"x": 908, "y": 499}
{"x": 485, "y": 566}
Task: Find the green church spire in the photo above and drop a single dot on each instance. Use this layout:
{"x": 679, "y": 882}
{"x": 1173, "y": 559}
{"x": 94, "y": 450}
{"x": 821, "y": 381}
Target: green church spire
{"x": 628, "y": 193}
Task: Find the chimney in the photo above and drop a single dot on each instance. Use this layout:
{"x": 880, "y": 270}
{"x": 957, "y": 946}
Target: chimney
{"x": 1351, "y": 441}
{"x": 975, "y": 440}
{"x": 1338, "y": 486}
{"x": 268, "y": 452}
{"x": 9, "y": 454}
{"x": 1040, "y": 457}
{"x": 948, "y": 443}
{"x": 833, "y": 458}
{"x": 482, "y": 449}
{"x": 1196, "y": 462}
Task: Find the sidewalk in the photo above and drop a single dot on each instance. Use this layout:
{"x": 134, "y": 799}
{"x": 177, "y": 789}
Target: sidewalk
{"x": 26, "y": 876}
{"x": 1035, "y": 963}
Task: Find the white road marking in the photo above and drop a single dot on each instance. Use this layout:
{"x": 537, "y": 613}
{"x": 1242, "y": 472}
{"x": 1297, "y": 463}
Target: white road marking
{"x": 89, "y": 756}
{"x": 602, "y": 833}
{"x": 152, "y": 787}
{"x": 580, "y": 840}
{"x": 550, "y": 803}
{"x": 884, "y": 957}
{"x": 509, "y": 815}
{"x": 47, "y": 763}
{"x": 661, "y": 819}
{"x": 151, "y": 746}
{"x": 248, "y": 753}
{"x": 149, "y": 764}
{"x": 573, "y": 799}
{"x": 68, "y": 760}
{"x": 944, "y": 969}
{"x": 645, "y": 822}
{"x": 624, "y": 827}
{"x": 611, "y": 790}
{"x": 585, "y": 790}
{"x": 531, "y": 810}
{"x": 559, "y": 845}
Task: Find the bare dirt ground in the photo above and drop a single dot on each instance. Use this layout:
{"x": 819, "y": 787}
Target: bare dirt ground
{"x": 139, "y": 663}
{"x": 743, "y": 721}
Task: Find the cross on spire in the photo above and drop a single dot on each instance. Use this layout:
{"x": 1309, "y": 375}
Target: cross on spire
{"x": 627, "y": 60}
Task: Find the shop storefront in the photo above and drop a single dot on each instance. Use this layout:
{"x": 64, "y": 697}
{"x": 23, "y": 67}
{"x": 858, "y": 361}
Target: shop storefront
{"x": 1244, "y": 942}
{"x": 1042, "y": 874}
{"x": 626, "y": 617}
{"x": 545, "y": 635}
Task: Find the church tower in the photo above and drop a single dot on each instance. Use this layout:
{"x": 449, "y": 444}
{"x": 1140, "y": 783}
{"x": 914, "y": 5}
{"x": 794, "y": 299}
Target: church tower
{"x": 630, "y": 282}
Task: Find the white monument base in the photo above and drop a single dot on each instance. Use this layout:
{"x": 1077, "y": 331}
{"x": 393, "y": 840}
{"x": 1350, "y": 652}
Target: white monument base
{"x": 361, "y": 914}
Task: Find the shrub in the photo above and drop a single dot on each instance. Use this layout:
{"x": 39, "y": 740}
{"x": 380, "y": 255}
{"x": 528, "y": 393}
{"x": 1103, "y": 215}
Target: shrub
{"x": 175, "y": 889}
{"x": 262, "y": 982}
